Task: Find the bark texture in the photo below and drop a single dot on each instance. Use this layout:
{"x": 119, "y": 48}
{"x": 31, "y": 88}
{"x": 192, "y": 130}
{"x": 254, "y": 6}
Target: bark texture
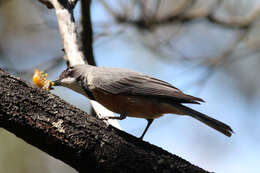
{"x": 71, "y": 135}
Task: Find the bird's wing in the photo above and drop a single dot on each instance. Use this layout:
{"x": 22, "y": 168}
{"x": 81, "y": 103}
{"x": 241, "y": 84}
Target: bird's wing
{"x": 121, "y": 81}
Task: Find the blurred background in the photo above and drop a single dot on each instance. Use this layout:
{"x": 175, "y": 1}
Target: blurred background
{"x": 209, "y": 49}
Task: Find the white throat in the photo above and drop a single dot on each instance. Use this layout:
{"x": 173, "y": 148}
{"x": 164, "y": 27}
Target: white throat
{"x": 72, "y": 83}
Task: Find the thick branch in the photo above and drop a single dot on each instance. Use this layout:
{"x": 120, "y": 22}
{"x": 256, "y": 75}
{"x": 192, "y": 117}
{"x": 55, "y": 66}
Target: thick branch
{"x": 80, "y": 140}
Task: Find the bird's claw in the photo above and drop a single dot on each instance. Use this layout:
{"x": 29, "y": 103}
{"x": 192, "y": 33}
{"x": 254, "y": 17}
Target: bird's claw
{"x": 104, "y": 118}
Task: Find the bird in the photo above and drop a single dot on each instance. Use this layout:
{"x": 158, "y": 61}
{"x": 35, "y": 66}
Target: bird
{"x": 134, "y": 94}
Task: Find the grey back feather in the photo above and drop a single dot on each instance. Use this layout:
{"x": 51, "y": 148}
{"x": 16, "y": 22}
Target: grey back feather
{"x": 124, "y": 81}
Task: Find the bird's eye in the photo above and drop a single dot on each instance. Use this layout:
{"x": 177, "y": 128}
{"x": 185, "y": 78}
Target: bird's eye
{"x": 67, "y": 73}
{"x": 70, "y": 68}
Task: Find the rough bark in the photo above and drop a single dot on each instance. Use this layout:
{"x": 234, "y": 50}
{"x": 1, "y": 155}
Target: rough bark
{"x": 71, "y": 135}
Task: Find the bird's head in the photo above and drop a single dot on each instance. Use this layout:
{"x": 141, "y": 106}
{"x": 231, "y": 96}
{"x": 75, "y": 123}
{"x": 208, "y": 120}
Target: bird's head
{"x": 72, "y": 78}
{"x": 67, "y": 78}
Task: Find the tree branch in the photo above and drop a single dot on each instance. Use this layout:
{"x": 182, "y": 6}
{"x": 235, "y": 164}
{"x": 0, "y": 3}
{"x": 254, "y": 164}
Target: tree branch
{"x": 69, "y": 134}
{"x": 67, "y": 27}
{"x": 181, "y": 16}
{"x": 87, "y": 33}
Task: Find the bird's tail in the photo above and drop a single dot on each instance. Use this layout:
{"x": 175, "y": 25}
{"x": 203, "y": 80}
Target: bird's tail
{"x": 215, "y": 124}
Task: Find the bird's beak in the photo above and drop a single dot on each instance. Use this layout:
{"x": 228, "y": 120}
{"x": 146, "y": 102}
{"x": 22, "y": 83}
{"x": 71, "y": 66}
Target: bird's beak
{"x": 57, "y": 83}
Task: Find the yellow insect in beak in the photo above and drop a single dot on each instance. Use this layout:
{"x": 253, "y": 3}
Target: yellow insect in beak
{"x": 40, "y": 80}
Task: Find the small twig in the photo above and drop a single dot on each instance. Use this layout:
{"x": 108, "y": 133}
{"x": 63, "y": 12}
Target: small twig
{"x": 130, "y": 9}
{"x": 156, "y": 8}
{"x": 108, "y": 8}
{"x": 180, "y": 16}
{"x": 220, "y": 60}
{"x": 207, "y": 75}
{"x": 183, "y": 7}
{"x": 244, "y": 53}
{"x": 236, "y": 22}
